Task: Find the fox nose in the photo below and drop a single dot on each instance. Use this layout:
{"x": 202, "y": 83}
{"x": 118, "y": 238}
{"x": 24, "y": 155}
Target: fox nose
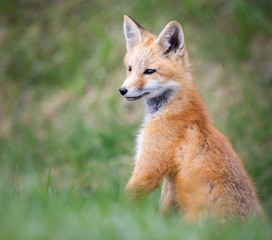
{"x": 123, "y": 91}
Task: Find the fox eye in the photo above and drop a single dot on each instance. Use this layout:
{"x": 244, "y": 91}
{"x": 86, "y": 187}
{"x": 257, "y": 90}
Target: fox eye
{"x": 129, "y": 68}
{"x": 149, "y": 71}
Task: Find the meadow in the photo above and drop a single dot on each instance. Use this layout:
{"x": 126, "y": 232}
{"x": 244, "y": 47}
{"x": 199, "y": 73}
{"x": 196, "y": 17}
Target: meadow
{"x": 67, "y": 137}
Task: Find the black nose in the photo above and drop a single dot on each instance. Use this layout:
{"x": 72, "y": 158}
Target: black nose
{"x": 123, "y": 91}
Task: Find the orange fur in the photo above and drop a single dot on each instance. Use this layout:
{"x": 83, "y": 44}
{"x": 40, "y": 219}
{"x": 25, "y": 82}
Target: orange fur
{"x": 178, "y": 143}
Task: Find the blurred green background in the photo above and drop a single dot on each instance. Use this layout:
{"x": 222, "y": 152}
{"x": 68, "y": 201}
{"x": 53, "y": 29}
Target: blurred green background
{"x": 67, "y": 137}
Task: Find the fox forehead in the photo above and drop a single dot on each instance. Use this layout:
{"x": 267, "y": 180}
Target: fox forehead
{"x": 141, "y": 57}
{"x": 144, "y": 56}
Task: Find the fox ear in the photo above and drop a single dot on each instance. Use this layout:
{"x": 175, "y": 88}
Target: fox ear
{"x": 133, "y": 32}
{"x": 171, "y": 39}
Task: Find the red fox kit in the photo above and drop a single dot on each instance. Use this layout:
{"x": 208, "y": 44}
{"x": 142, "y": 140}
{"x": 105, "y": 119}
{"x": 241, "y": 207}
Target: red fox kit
{"x": 177, "y": 142}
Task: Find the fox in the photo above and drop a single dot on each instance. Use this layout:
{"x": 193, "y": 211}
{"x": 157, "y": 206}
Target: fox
{"x": 177, "y": 142}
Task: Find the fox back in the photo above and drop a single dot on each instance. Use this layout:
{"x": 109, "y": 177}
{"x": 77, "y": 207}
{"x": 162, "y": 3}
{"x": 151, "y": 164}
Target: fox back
{"x": 177, "y": 142}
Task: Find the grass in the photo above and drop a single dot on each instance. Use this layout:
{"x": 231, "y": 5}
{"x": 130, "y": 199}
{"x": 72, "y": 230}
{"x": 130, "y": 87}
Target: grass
{"x": 67, "y": 137}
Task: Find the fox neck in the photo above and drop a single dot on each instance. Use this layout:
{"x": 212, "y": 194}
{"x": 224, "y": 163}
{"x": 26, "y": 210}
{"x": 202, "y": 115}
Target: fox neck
{"x": 184, "y": 102}
{"x": 153, "y": 105}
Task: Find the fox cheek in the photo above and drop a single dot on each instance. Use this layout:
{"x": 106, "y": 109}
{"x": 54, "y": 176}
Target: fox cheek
{"x": 141, "y": 82}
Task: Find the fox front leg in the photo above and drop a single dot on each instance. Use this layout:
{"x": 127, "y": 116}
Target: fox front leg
{"x": 146, "y": 176}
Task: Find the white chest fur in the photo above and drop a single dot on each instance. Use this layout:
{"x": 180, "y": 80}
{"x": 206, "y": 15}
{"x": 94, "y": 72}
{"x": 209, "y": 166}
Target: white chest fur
{"x": 139, "y": 142}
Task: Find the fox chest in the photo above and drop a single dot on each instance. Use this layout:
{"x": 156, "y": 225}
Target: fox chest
{"x": 154, "y": 141}
{"x": 139, "y": 144}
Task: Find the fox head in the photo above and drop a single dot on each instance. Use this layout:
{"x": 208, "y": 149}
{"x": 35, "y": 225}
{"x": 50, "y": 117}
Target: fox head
{"x": 154, "y": 64}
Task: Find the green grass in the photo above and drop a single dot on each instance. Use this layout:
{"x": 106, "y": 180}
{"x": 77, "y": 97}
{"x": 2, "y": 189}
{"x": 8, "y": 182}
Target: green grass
{"x": 67, "y": 137}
